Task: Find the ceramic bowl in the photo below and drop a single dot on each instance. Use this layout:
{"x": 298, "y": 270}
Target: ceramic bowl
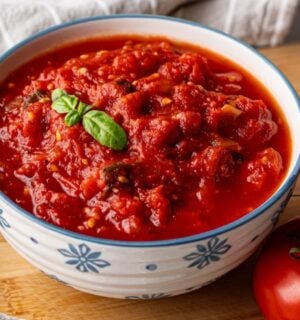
{"x": 149, "y": 270}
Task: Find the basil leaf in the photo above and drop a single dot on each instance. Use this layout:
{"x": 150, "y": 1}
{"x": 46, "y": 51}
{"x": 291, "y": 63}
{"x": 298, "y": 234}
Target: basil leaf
{"x": 104, "y": 129}
{"x": 72, "y": 118}
{"x": 65, "y": 104}
{"x": 83, "y": 108}
{"x": 97, "y": 123}
{"x": 58, "y": 93}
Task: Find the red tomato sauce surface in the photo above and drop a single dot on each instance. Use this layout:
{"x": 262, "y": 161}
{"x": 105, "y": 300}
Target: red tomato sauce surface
{"x": 206, "y": 142}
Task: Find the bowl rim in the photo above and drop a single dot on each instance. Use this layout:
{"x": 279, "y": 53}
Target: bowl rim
{"x": 176, "y": 241}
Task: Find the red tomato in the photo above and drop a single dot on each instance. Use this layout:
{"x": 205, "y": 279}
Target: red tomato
{"x": 276, "y": 281}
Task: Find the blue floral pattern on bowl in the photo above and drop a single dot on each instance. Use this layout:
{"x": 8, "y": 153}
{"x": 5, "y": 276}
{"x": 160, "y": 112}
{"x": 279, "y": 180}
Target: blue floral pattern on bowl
{"x": 149, "y": 296}
{"x": 3, "y": 222}
{"x": 207, "y": 254}
{"x": 83, "y": 258}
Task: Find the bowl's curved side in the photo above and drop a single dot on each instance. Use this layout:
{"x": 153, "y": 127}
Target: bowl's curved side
{"x": 135, "y": 273}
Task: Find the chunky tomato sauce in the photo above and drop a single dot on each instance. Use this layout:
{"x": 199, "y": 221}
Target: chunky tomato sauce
{"x": 206, "y": 142}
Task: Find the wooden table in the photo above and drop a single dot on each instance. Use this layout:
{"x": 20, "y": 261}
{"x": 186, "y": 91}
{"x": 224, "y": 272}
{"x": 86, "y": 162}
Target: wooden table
{"x": 27, "y": 293}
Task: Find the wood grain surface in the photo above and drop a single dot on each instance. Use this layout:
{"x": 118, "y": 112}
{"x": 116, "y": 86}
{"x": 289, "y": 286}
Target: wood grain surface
{"x": 28, "y": 294}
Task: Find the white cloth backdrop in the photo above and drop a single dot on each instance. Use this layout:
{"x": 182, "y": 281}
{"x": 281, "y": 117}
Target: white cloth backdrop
{"x": 260, "y": 22}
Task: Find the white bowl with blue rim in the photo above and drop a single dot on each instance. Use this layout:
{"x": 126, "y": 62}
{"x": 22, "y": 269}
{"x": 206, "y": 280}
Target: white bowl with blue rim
{"x": 149, "y": 270}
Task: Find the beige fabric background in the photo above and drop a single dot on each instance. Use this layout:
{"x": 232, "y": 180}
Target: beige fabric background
{"x": 259, "y": 22}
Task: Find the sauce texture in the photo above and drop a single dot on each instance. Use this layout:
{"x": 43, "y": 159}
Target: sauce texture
{"x": 206, "y": 143}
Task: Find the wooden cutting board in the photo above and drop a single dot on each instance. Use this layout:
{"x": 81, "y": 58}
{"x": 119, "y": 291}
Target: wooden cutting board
{"x": 27, "y": 293}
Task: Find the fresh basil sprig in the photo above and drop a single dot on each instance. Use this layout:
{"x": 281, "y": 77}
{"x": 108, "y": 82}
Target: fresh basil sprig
{"x": 65, "y": 103}
{"x": 97, "y": 123}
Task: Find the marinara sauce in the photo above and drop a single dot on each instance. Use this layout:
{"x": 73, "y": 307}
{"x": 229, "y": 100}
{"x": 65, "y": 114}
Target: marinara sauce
{"x": 206, "y": 142}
